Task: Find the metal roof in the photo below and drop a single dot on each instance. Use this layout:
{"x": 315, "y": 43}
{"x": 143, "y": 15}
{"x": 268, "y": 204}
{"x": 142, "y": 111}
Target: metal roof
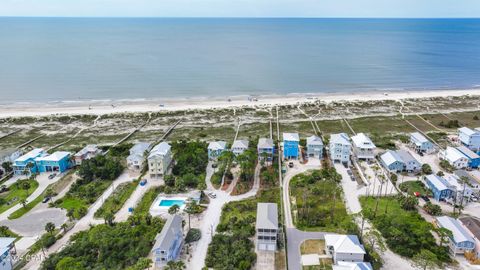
{"x": 459, "y": 233}
{"x": 267, "y": 216}
{"x": 453, "y": 154}
{"x": 438, "y": 182}
{"x": 218, "y": 145}
{"x": 265, "y": 143}
{"x": 362, "y": 141}
{"x": 314, "y": 140}
{"x": 390, "y": 157}
{"x": 419, "y": 137}
{"x": 31, "y": 155}
{"x": 57, "y": 156}
{"x": 160, "y": 149}
{"x": 340, "y": 138}
{"x": 240, "y": 144}
{"x": 467, "y": 152}
{"x": 344, "y": 243}
{"x": 291, "y": 137}
{"x": 165, "y": 238}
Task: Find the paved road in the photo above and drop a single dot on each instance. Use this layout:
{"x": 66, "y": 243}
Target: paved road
{"x": 295, "y": 238}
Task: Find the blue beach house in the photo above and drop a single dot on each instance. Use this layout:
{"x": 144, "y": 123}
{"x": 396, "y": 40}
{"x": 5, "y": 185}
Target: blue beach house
{"x": 392, "y": 161}
{"x": 460, "y": 240}
{"x": 265, "y": 149}
{"x": 215, "y": 149}
{"x": 21, "y": 165}
{"x": 440, "y": 188}
{"x": 470, "y": 138}
{"x": 290, "y": 145}
{"x": 56, "y": 162}
{"x": 168, "y": 242}
{"x": 473, "y": 158}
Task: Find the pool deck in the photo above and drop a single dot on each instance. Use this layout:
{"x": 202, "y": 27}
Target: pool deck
{"x": 157, "y": 210}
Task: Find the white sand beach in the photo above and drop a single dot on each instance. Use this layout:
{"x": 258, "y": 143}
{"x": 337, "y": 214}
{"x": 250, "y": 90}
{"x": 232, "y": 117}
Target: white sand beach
{"x": 154, "y": 105}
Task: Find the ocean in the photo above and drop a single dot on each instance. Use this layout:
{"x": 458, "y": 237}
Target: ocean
{"x": 78, "y": 59}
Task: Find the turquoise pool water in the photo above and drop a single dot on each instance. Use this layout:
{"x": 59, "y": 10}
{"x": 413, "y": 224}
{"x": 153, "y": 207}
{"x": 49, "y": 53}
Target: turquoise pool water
{"x": 168, "y": 203}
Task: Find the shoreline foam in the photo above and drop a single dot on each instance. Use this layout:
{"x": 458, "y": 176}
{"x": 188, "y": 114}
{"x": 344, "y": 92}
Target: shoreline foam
{"x": 141, "y": 105}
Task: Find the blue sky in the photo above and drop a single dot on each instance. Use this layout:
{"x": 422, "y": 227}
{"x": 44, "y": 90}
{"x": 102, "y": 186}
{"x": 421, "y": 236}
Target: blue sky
{"x": 242, "y": 8}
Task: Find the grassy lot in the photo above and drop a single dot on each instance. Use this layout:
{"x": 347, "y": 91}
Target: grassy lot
{"x": 405, "y": 232}
{"x": 304, "y": 128}
{"x": 317, "y": 200}
{"x": 332, "y": 126}
{"x": 420, "y": 124}
{"x": 115, "y": 202}
{"x": 467, "y": 118}
{"x": 254, "y": 130}
{"x": 313, "y": 247}
{"x": 144, "y": 205}
{"x": 206, "y": 133}
{"x": 16, "y": 194}
{"x": 414, "y": 186}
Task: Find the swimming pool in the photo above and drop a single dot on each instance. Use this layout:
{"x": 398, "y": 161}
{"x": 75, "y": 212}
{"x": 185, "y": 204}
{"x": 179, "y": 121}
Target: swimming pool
{"x": 168, "y": 202}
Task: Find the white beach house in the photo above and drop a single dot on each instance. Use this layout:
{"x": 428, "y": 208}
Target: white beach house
{"x": 456, "y": 158}
{"x": 340, "y": 148}
{"x": 215, "y": 149}
{"x": 346, "y": 248}
{"x": 420, "y": 143}
{"x": 159, "y": 159}
{"x": 314, "y": 147}
{"x": 470, "y": 138}
{"x": 363, "y": 147}
{"x": 136, "y": 159}
{"x": 88, "y": 152}
{"x": 239, "y": 146}
{"x": 266, "y": 226}
{"x": 265, "y": 149}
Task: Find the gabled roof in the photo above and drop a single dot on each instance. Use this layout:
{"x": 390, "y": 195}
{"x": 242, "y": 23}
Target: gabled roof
{"x": 344, "y": 243}
{"x": 314, "y": 140}
{"x": 218, "y": 145}
{"x": 265, "y": 143}
{"x": 459, "y": 233}
{"x": 390, "y": 157}
{"x": 352, "y": 266}
{"x": 362, "y": 141}
{"x": 452, "y": 154}
{"x": 240, "y": 144}
{"x": 160, "y": 149}
{"x": 419, "y": 137}
{"x": 165, "y": 238}
{"x": 468, "y": 131}
{"x": 57, "y": 156}
{"x": 291, "y": 137}
{"x": 139, "y": 148}
{"x": 87, "y": 149}
{"x": 340, "y": 138}
{"x": 406, "y": 156}
{"x": 31, "y": 155}
{"x": 5, "y": 244}
{"x": 467, "y": 152}
{"x": 438, "y": 182}
{"x": 267, "y": 216}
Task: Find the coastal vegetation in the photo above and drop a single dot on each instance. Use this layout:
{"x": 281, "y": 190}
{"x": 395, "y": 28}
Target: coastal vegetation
{"x": 317, "y": 198}
{"x": 405, "y": 231}
{"x": 115, "y": 201}
{"x": 96, "y": 175}
{"x": 17, "y": 193}
{"x": 191, "y": 159}
{"x": 143, "y": 206}
{"x": 104, "y": 246}
{"x": 247, "y": 162}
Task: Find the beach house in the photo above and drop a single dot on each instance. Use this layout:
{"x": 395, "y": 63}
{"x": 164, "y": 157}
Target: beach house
{"x": 239, "y": 146}
{"x": 215, "y": 149}
{"x": 472, "y": 226}
{"x": 454, "y": 157}
{"x": 440, "y": 188}
{"x": 472, "y": 176}
{"x": 168, "y": 242}
{"x": 314, "y": 147}
{"x": 159, "y": 159}
{"x": 9, "y": 155}
{"x": 136, "y": 159}
{"x": 391, "y": 161}
{"x": 473, "y": 158}
{"x": 266, "y": 226}
{"x": 7, "y": 248}
{"x": 460, "y": 241}
{"x": 88, "y": 152}
{"x": 56, "y": 162}
{"x": 462, "y": 192}
{"x": 25, "y": 164}
{"x": 420, "y": 143}
{"x": 345, "y": 248}
{"x": 470, "y": 138}
{"x": 265, "y": 149}
{"x": 411, "y": 164}
{"x": 290, "y": 145}
{"x": 363, "y": 147}
{"x": 340, "y": 148}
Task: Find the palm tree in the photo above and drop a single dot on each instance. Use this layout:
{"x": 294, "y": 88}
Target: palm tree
{"x": 26, "y": 186}
{"x": 173, "y": 209}
{"x": 50, "y": 227}
{"x": 71, "y": 214}
{"x": 108, "y": 218}
{"x": 64, "y": 227}
{"x": 191, "y": 209}
{"x": 463, "y": 180}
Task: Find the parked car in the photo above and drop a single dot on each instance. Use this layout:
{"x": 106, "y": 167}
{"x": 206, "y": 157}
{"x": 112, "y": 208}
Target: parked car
{"x": 214, "y": 165}
{"x": 416, "y": 194}
{"x": 425, "y": 198}
{"x": 46, "y": 199}
{"x": 51, "y": 176}
{"x": 290, "y": 164}
{"x": 212, "y": 195}
{"x": 349, "y": 172}
{"x": 143, "y": 182}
